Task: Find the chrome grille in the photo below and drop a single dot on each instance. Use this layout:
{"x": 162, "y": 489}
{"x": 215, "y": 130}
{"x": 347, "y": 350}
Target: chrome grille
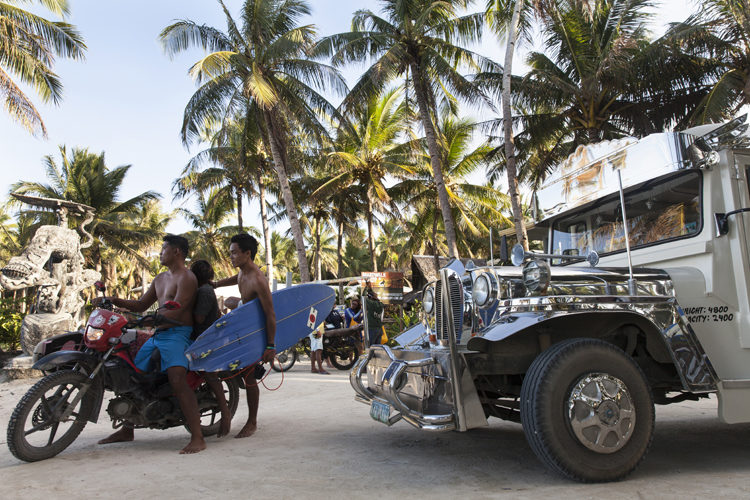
{"x": 456, "y": 303}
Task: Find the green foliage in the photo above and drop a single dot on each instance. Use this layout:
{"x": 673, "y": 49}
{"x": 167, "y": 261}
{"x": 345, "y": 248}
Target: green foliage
{"x": 29, "y": 45}
{"x": 405, "y": 319}
{"x": 10, "y": 324}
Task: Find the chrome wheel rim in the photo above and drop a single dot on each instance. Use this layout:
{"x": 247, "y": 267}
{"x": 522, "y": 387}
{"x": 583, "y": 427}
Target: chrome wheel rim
{"x": 601, "y": 412}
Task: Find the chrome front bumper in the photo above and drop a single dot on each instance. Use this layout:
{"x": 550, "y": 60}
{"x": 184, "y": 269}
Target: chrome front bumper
{"x": 414, "y": 383}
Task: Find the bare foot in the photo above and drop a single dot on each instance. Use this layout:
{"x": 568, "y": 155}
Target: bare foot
{"x": 194, "y": 446}
{"x": 314, "y": 371}
{"x": 120, "y": 436}
{"x": 247, "y": 431}
{"x": 226, "y": 423}
{"x": 323, "y": 372}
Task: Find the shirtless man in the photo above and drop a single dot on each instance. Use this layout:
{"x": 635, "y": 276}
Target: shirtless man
{"x": 252, "y": 284}
{"x": 180, "y": 285}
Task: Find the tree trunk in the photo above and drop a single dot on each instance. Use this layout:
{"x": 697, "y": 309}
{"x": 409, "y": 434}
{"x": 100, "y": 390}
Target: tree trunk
{"x": 420, "y": 90}
{"x": 264, "y": 223}
{"x": 318, "y": 264}
{"x": 239, "y": 210}
{"x": 286, "y": 194}
{"x": 510, "y": 149}
{"x": 434, "y": 243}
{"x": 340, "y": 259}
{"x": 370, "y": 237}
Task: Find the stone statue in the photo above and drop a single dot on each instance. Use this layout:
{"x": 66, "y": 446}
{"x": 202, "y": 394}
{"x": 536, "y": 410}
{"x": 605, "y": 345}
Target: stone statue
{"x": 53, "y": 263}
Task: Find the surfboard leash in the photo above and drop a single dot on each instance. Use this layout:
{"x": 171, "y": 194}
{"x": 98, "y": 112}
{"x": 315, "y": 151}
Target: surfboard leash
{"x": 262, "y": 380}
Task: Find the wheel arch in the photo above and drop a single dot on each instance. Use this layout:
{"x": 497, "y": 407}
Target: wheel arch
{"x": 631, "y": 332}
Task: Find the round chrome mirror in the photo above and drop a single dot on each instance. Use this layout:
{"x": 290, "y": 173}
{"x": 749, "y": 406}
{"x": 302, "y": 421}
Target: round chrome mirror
{"x": 536, "y": 276}
{"x": 428, "y": 300}
{"x": 517, "y": 255}
{"x": 592, "y": 258}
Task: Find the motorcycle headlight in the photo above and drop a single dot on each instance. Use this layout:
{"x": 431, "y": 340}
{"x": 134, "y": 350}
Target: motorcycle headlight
{"x": 484, "y": 290}
{"x": 428, "y": 301}
{"x": 536, "y": 276}
{"x": 93, "y": 334}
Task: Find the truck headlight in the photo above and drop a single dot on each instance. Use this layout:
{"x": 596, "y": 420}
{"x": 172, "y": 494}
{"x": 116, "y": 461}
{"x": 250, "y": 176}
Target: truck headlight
{"x": 484, "y": 290}
{"x": 536, "y": 276}
{"x": 428, "y": 301}
{"x": 93, "y": 334}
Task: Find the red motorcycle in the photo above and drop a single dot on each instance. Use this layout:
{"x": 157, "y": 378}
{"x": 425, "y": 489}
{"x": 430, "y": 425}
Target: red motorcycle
{"x": 55, "y": 410}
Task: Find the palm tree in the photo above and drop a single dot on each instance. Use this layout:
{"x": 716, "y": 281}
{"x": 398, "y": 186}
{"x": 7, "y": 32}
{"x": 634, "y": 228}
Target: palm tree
{"x": 356, "y": 257}
{"x": 259, "y": 65}
{"x": 600, "y": 78}
{"x": 320, "y": 241}
{"x": 365, "y": 152}
{"x": 720, "y": 35}
{"x": 475, "y": 207}
{"x": 229, "y": 174}
{"x": 241, "y": 167}
{"x": 83, "y": 177}
{"x": 283, "y": 255}
{"x": 148, "y": 215}
{"x": 210, "y": 239}
{"x": 28, "y": 46}
{"x": 417, "y": 39}
{"x": 392, "y": 245}
{"x": 512, "y": 27}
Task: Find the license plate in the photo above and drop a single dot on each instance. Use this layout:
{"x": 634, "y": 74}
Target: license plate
{"x": 380, "y": 412}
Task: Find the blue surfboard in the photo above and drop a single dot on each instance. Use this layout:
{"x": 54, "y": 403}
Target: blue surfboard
{"x": 238, "y": 339}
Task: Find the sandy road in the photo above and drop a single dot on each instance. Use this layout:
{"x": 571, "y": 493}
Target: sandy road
{"x": 315, "y": 441}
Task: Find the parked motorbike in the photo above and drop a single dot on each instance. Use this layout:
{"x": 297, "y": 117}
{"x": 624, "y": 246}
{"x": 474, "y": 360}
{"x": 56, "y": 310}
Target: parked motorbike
{"x": 339, "y": 346}
{"x": 52, "y": 414}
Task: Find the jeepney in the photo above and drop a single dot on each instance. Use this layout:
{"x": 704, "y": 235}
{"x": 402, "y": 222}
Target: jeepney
{"x": 639, "y": 298}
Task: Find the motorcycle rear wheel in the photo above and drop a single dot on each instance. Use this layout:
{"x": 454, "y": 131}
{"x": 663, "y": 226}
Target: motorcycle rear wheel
{"x": 343, "y": 358}
{"x": 210, "y": 424}
{"x": 34, "y": 429}
{"x": 285, "y": 360}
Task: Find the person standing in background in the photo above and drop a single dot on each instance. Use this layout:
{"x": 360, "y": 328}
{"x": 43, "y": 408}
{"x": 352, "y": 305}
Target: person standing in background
{"x": 374, "y": 309}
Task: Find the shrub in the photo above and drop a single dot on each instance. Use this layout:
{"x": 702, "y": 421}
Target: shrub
{"x": 10, "y": 324}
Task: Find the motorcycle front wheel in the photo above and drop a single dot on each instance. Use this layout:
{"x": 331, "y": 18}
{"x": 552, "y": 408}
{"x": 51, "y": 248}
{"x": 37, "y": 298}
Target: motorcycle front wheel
{"x": 50, "y": 416}
{"x": 284, "y": 360}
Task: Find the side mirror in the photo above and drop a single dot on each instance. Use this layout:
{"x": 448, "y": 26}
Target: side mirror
{"x": 100, "y": 286}
{"x": 171, "y": 305}
{"x": 504, "y": 249}
{"x": 517, "y": 255}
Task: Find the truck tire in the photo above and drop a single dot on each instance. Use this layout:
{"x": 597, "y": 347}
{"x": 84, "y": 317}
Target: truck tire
{"x": 587, "y": 410}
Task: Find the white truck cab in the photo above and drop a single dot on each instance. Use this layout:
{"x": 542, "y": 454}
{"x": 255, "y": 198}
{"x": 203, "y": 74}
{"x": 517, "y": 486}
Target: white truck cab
{"x": 641, "y": 297}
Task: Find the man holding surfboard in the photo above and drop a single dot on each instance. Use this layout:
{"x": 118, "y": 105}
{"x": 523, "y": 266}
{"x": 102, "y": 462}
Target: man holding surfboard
{"x": 177, "y": 284}
{"x": 252, "y": 285}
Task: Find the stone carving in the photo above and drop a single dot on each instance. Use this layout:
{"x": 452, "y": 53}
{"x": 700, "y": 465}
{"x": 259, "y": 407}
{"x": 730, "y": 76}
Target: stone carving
{"x": 53, "y": 263}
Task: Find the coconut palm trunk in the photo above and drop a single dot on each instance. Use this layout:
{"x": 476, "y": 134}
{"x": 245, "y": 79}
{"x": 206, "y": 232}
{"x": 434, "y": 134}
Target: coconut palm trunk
{"x": 266, "y": 228}
{"x": 340, "y": 259}
{"x": 420, "y": 89}
{"x": 510, "y": 149}
{"x": 239, "y": 210}
{"x": 286, "y": 195}
{"x": 370, "y": 237}
{"x": 434, "y": 244}
{"x": 318, "y": 264}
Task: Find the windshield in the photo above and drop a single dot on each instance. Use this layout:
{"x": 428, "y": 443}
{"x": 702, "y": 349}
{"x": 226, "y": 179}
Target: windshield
{"x": 657, "y": 212}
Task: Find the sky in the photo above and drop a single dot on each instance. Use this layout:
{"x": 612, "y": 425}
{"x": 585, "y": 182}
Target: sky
{"x": 127, "y": 97}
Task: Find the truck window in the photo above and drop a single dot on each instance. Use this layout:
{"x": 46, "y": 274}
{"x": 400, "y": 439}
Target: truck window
{"x": 657, "y": 212}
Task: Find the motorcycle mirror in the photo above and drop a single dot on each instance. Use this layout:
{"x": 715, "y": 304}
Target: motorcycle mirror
{"x": 171, "y": 305}
{"x": 100, "y": 286}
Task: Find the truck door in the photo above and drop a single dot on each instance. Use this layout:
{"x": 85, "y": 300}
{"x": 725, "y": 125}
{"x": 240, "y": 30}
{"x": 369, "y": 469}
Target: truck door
{"x": 741, "y": 222}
